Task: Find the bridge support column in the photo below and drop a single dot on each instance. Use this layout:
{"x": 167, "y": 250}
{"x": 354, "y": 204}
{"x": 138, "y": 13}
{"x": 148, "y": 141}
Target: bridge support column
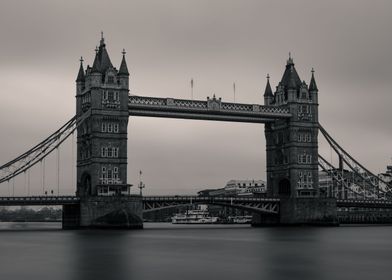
{"x": 111, "y": 212}
{"x": 301, "y": 211}
{"x": 308, "y": 211}
{"x": 104, "y": 212}
{"x": 71, "y": 216}
{"x": 262, "y": 220}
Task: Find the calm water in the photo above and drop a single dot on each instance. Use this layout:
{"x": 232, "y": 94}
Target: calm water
{"x": 164, "y": 251}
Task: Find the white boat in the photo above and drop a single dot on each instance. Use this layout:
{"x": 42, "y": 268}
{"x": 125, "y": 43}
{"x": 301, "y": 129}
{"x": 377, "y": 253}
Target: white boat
{"x": 198, "y": 216}
{"x": 241, "y": 219}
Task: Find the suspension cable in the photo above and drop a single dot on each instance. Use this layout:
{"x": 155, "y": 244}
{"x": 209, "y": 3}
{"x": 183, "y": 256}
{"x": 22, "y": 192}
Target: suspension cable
{"x": 42, "y": 150}
{"x": 356, "y": 167}
{"x": 329, "y": 169}
{"x": 58, "y": 170}
{"x": 72, "y": 156}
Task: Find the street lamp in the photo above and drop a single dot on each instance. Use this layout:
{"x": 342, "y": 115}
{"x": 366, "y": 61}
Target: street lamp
{"x": 141, "y": 184}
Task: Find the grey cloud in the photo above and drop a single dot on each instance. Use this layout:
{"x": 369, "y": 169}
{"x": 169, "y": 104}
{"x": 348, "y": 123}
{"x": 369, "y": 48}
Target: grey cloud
{"x": 216, "y": 43}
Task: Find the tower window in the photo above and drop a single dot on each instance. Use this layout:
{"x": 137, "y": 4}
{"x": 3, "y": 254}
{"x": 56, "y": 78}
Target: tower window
{"x": 116, "y": 127}
{"x": 110, "y": 95}
{"x": 110, "y": 80}
{"x": 104, "y": 151}
{"x": 115, "y": 152}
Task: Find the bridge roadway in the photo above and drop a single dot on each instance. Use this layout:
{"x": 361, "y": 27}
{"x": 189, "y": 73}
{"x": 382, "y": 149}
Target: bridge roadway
{"x": 211, "y": 109}
{"x": 153, "y": 203}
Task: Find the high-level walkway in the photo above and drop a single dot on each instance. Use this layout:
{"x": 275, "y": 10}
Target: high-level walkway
{"x": 211, "y": 109}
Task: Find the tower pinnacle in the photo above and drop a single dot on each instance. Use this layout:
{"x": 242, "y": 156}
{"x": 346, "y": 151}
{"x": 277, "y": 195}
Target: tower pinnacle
{"x": 268, "y": 90}
{"x": 102, "y": 42}
{"x": 313, "y": 85}
{"x": 290, "y": 61}
{"x": 80, "y": 77}
{"x": 123, "y": 67}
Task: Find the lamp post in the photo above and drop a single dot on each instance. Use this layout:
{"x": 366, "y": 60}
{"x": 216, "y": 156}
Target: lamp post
{"x": 141, "y": 187}
{"x": 141, "y": 184}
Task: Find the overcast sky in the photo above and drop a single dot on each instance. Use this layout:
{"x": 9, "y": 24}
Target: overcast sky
{"x": 349, "y": 43}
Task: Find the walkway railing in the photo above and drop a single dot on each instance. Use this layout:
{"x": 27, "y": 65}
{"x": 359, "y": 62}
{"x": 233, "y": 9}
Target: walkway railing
{"x": 211, "y": 109}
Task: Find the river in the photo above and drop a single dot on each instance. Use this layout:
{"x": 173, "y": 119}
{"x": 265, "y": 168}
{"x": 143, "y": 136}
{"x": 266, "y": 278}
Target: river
{"x": 163, "y": 251}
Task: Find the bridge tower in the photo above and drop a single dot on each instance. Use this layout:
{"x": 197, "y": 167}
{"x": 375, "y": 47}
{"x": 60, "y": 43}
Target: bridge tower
{"x": 102, "y": 138}
{"x": 102, "y": 92}
{"x": 292, "y": 149}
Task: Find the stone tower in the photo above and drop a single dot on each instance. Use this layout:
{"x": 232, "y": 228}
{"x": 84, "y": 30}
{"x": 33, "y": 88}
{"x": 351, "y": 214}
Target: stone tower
{"x": 102, "y": 138}
{"x": 292, "y": 145}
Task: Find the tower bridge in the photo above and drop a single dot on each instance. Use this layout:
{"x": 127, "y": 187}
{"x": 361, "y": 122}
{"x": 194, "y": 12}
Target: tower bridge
{"x": 290, "y": 117}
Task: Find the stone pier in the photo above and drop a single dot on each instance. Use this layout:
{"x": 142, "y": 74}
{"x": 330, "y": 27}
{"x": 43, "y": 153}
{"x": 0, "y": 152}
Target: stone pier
{"x": 122, "y": 212}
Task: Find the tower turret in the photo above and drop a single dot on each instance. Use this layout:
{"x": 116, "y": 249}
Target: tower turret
{"x": 268, "y": 96}
{"x": 80, "y": 80}
{"x": 96, "y": 75}
{"x": 123, "y": 74}
{"x": 313, "y": 90}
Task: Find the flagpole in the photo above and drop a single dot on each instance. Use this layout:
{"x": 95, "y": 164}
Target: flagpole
{"x": 234, "y": 91}
{"x": 192, "y": 88}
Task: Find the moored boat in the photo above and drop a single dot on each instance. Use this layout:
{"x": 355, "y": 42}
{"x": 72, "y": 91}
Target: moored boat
{"x": 197, "y": 216}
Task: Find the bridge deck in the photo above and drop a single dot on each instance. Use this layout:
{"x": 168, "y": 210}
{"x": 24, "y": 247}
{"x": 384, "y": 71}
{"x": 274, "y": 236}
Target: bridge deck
{"x": 211, "y": 109}
{"x": 38, "y": 200}
{"x": 64, "y": 200}
{"x": 364, "y": 203}
{"x": 198, "y": 199}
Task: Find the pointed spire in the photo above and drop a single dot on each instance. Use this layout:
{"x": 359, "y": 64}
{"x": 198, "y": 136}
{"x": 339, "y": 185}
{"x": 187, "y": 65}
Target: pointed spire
{"x": 96, "y": 65}
{"x": 123, "y": 67}
{"x": 102, "y": 42}
{"x": 268, "y": 90}
{"x": 80, "y": 77}
{"x": 290, "y": 78}
{"x": 103, "y": 56}
{"x": 102, "y": 61}
{"x": 313, "y": 85}
{"x": 292, "y": 81}
{"x": 290, "y": 61}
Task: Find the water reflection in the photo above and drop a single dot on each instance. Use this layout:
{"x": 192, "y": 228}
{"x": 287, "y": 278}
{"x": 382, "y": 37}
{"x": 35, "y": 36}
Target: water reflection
{"x": 291, "y": 253}
{"x": 212, "y": 252}
{"x": 100, "y": 255}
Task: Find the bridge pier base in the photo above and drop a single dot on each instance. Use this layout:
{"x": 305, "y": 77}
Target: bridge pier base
{"x": 262, "y": 220}
{"x": 71, "y": 216}
{"x": 308, "y": 211}
{"x": 115, "y": 212}
{"x": 301, "y": 211}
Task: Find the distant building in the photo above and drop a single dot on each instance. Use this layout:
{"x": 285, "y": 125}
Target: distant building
{"x": 211, "y": 192}
{"x": 245, "y": 187}
{"x": 386, "y": 177}
{"x": 238, "y": 187}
